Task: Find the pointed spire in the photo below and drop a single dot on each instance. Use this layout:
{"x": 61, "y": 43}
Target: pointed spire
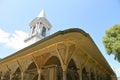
{"x": 42, "y": 13}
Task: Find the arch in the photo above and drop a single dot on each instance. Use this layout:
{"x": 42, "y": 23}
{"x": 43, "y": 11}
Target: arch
{"x": 6, "y": 75}
{"x": 97, "y": 74}
{"x": 36, "y": 77}
{"x": 31, "y": 66}
{"x": 17, "y": 74}
{"x": 31, "y": 72}
{"x": 93, "y": 73}
{"x": 72, "y": 73}
{"x": 72, "y": 65}
{"x": 84, "y": 74}
{"x": 52, "y": 69}
{"x": 50, "y": 56}
{"x": 77, "y": 59}
{"x": 92, "y": 76}
{"x": 53, "y": 60}
{"x": 43, "y": 33}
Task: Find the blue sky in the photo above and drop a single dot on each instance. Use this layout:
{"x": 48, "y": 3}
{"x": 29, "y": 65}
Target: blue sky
{"x": 93, "y": 16}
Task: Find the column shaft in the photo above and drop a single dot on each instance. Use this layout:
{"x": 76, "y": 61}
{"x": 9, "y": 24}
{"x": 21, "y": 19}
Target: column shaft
{"x": 80, "y": 75}
{"x": 10, "y": 76}
{"x": 64, "y": 75}
{"x": 39, "y": 74}
{"x": 64, "y": 72}
{"x": 22, "y": 75}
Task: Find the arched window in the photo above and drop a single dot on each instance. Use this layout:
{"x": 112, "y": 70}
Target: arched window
{"x": 43, "y": 31}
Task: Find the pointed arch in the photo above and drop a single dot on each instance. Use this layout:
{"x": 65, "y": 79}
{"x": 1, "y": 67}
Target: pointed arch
{"x": 72, "y": 73}
{"x": 17, "y": 74}
{"x": 50, "y": 57}
{"x": 84, "y": 74}
{"x": 6, "y": 75}
{"x": 53, "y": 60}
{"x": 31, "y": 72}
{"x": 35, "y": 77}
{"x": 92, "y": 76}
{"x": 52, "y": 69}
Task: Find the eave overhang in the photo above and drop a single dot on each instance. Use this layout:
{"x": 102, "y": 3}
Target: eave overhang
{"x": 55, "y": 37}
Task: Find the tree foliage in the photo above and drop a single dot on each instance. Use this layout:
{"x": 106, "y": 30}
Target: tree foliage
{"x": 111, "y": 41}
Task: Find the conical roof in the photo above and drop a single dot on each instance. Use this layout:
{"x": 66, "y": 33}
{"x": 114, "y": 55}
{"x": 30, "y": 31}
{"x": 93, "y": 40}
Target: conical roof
{"x": 42, "y": 13}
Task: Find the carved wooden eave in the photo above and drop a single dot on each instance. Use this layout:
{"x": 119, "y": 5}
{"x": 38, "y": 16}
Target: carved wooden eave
{"x": 60, "y": 43}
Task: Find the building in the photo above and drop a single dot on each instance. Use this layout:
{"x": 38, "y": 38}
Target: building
{"x": 65, "y": 55}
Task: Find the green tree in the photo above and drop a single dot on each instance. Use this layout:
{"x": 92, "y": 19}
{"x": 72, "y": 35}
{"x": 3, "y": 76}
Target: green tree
{"x": 111, "y": 41}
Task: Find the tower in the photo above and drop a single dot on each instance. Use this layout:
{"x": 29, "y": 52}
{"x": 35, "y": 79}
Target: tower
{"x": 39, "y": 28}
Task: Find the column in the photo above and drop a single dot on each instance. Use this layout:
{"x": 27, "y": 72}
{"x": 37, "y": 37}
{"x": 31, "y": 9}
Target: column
{"x": 50, "y": 75}
{"x": 80, "y": 75}
{"x": 11, "y": 76}
{"x": 40, "y": 27}
{"x": 64, "y": 75}
{"x": 64, "y": 72}
{"x": 39, "y": 74}
{"x": 2, "y": 78}
{"x": 22, "y": 75}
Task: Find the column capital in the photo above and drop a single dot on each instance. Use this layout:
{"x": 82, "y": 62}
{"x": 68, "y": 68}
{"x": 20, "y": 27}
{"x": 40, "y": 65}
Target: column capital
{"x": 64, "y": 67}
{"x": 39, "y": 71}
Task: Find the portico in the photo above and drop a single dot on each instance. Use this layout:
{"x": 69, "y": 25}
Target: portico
{"x": 66, "y": 55}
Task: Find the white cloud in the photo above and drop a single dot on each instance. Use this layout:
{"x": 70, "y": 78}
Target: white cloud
{"x": 15, "y": 40}
{"x": 4, "y": 36}
{"x": 118, "y": 69}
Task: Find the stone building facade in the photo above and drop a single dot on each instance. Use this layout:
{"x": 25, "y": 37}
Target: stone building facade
{"x": 65, "y": 55}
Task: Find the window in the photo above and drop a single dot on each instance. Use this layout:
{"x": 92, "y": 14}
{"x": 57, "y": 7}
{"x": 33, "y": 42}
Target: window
{"x": 40, "y": 23}
{"x": 43, "y": 31}
{"x": 33, "y": 30}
